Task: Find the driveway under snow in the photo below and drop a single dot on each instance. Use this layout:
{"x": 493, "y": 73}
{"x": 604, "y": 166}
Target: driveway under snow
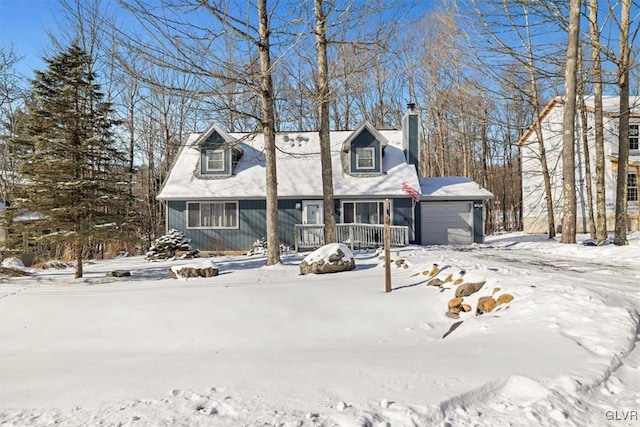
{"x": 259, "y": 345}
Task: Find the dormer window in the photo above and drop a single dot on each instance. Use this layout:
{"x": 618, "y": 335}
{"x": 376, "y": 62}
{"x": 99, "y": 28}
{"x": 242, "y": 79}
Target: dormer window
{"x": 363, "y": 151}
{"x": 219, "y": 153}
{"x": 215, "y": 160}
{"x": 365, "y": 158}
{"x": 634, "y": 135}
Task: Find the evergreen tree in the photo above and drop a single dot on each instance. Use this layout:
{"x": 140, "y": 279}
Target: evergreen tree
{"x": 73, "y": 171}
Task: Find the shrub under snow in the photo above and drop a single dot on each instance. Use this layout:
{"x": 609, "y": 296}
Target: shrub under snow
{"x": 167, "y": 246}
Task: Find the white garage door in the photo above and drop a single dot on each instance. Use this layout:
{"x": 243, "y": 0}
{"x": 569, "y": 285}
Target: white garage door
{"x": 447, "y": 223}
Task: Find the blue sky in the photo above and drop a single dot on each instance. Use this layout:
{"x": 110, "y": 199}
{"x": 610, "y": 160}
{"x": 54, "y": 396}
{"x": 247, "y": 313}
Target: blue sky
{"x": 24, "y": 25}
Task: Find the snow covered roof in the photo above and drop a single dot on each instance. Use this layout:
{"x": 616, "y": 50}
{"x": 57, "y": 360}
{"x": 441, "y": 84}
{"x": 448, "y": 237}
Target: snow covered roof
{"x": 452, "y": 188}
{"x": 298, "y": 166}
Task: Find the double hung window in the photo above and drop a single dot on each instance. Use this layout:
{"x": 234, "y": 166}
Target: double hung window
{"x": 365, "y": 158}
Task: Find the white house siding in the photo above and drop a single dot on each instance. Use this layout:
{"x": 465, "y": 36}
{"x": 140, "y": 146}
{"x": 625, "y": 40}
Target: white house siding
{"x": 533, "y": 194}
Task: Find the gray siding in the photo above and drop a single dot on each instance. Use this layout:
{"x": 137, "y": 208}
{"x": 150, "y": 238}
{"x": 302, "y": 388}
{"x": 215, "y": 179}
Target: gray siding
{"x": 251, "y": 225}
{"x": 363, "y": 140}
{"x": 402, "y": 215}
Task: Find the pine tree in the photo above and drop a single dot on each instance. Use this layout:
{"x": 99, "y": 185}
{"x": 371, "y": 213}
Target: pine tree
{"x": 73, "y": 169}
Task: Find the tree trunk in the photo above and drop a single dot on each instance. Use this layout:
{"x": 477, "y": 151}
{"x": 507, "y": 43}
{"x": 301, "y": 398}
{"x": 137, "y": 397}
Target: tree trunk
{"x": 78, "y": 254}
{"x": 268, "y": 128}
{"x": 620, "y": 237}
{"x": 323, "y": 110}
{"x": 596, "y": 70}
{"x": 587, "y": 167}
{"x": 568, "y": 128}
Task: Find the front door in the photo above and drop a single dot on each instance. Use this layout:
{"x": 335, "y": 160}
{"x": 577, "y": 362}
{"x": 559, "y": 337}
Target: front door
{"x": 312, "y": 212}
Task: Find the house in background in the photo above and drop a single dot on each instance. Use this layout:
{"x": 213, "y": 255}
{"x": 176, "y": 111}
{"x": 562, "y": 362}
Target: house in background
{"x": 215, "y": 191}
{"x": 533, "y": 195}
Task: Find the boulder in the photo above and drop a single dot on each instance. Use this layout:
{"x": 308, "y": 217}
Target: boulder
{"x": 331, "y": 258}
{"x": 504, "y": 299}
{"x": 466, "y": 308}
{"x": 452, "y": 315}
{"x": 202, "y": 268}
{"x": 469, "y": 288}
{"x": 485, "y": 305}
{"x": 118, "y": 273}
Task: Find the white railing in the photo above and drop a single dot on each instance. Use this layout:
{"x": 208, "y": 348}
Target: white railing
{"x": 309, "y": 236}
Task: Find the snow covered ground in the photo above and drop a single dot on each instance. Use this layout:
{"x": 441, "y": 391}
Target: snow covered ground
{"x": 262, "y": 345}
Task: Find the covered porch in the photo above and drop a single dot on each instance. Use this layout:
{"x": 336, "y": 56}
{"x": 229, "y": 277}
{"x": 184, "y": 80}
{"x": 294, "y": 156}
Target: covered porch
{"x": 311, "y": 236}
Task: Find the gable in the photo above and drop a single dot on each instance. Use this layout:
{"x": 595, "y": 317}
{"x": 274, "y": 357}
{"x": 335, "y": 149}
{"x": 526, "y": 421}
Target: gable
{"x": 219, "y": 152}
{"x": 363, "y": 150}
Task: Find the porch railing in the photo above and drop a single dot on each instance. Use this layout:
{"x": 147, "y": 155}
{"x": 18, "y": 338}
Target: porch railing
{"x": 310, "y": 236}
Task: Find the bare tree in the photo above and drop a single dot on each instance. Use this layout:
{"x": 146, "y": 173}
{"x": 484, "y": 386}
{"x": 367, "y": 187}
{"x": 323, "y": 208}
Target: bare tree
{"x": 269, "y": 131}
{"x": 568, "y": 127}
{"x": 323, "y": 112}
{"x": 596, "y": 71}
{"x": 620, "y": 237}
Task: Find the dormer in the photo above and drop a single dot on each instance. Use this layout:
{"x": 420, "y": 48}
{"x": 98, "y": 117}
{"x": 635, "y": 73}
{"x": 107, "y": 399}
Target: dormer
{"x": 219, "y": 152}
{"x": 363, "y": 150}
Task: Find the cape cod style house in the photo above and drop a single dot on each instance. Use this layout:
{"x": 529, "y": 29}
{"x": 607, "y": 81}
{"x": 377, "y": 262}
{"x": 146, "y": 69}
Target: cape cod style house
{"x": 215, "y": 191}
{"x": 533, "y": 195}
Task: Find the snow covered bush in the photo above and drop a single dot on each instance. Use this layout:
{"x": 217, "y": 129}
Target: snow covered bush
{"x": 260, "y": 247}
{"x": 169, "y": 245}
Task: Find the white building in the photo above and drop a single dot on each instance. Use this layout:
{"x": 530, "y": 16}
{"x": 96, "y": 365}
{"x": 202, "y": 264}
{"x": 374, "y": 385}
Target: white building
{"x": 533, "y": 194}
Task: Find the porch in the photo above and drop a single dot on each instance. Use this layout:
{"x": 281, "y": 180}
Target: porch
{"x": 311, "y": 236}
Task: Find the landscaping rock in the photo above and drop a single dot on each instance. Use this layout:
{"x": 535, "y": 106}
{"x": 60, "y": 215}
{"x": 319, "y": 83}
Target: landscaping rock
{"x": 452, "y": 315}
{"x": 455, "y": 302}
{"x": 469, "y": 288}
{"x": 452, "y": 328}
{"x": 332, "y": 258}
{"x": 202, "y": 268}
{"x": 189, "y": 272}
{"x": 504, "y": 299}
{"x": 435, "y": 282}
{"x": 119, "y": 273}
{"x": 485, "y": 305}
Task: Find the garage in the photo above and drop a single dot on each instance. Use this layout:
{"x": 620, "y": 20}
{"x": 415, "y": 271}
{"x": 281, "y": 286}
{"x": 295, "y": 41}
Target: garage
{"x": 451, "y": 211}
{"x": 447, "y": 223}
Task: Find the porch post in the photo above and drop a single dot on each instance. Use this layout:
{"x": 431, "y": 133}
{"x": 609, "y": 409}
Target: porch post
{"x": 387, "y": 246}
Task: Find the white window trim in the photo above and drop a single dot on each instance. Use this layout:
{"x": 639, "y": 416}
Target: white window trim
{"x": 373, "y": 158}
{"x": 201, "y": 202}
{"x": 208, "y": 159}
{"x": 637, "y": 187}
{"x": 379, "y": 201}
{"x": 636, "y": 137}
{"x": 306, "y": 203}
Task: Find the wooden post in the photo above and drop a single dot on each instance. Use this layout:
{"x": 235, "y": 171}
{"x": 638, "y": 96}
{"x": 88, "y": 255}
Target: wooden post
{"x": 351, "y": 237}
{"x": 387, "y": 246}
